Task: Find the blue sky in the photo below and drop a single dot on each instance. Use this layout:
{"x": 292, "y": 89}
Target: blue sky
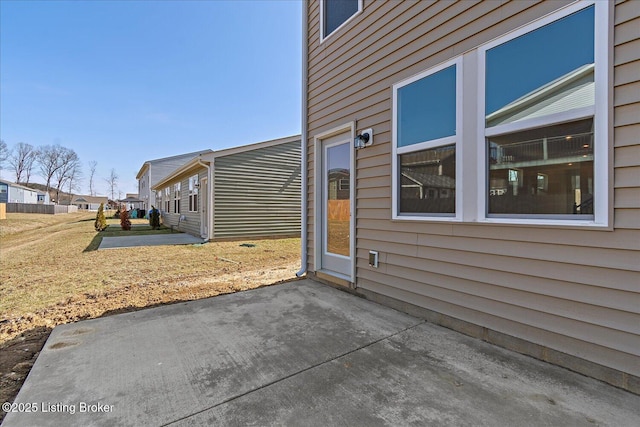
{"x": 121, "y": 82}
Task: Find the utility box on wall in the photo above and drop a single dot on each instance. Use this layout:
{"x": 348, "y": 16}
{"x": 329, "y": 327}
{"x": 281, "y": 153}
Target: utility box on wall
{"x": 373, "y": 259}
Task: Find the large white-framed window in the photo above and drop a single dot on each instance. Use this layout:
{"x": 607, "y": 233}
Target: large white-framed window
{"x": 426, "y": 150}
{"x": 193, "y": 193}
{"x": 176, "y": 197}
{"x": 334, "y": 14}
{"x": 537, "y": 118}
{"x": 544, "y": 103}
{"x": 158, "y": 204}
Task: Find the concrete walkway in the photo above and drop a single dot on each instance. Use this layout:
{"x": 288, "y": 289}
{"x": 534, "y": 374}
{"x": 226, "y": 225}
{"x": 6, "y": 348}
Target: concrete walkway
{"x": 148, "y": 240}
{"x": 299, "y": 353}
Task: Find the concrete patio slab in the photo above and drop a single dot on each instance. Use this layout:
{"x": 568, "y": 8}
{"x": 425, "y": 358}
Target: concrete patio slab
{"x": 298, "y": 353}
{"x": 148, "y": 240}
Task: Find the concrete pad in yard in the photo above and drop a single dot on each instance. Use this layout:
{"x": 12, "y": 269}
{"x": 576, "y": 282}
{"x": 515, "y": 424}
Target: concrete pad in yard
{"x": 299, "y": 353}
{"x": 148, "y": 240}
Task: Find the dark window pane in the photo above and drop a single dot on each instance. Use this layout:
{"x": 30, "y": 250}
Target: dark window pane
{"x": 336, "y": 12}
{"x": 543, "y": 171}
{"x": 427, "y": 108}
{"x": 428, "y": 181}
{"x": 525, "y": 65}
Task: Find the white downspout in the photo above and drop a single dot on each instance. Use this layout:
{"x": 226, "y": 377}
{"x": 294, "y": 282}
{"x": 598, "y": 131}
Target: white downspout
{"x": 209, "y": 196}
{"x": 303, "y": 142}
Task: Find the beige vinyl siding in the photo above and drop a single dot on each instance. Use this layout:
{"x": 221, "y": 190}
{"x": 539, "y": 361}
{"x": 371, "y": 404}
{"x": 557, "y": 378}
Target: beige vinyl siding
{"x": 573, "y": 290}
{"x": 257, "y": 192}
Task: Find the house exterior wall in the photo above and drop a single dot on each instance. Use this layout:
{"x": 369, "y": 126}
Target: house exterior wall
{"x": 257, "y": 192}
{"x": 20, "y": 194}
{"x": 563, "y": 294}
{"x": 144, "y": 190}
{"x": 187, "y": 221}
{"x": 154, "y": 170}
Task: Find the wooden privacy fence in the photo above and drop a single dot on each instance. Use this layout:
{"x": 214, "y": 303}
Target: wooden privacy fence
{"x": 339, "y": 210}
{"x": 40, "y": 209}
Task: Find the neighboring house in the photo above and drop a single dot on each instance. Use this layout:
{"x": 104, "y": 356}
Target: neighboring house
{"x": 132, "y": 201}
{"x": 89, "y": 203}
{"x": 497, "y": 192}
{"x": 43, "y": 198}
{"x": 153, "y": 170}
{"x": 241, "y": 192}
{"x": 15, "y": 193}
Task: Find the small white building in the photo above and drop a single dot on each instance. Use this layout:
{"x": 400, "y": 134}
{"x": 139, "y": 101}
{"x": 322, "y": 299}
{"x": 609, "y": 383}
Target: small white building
{"x": 89, "y": 203}
{"x": 15, "y": 193}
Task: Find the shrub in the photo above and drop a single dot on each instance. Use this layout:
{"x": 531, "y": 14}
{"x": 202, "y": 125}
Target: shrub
{"x": 124, "y": 220}
{"x": 154, "y": 218}
{"x": 101, "y": 221}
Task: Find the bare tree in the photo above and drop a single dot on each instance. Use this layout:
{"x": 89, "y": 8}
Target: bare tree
{"x": 4, "y": 153}
{"x": 49, "y": 159}
{"x": 21, "y": 160}
{"x": 69, "y": 162}
{"x": 112, "y": 181}
{"x": 92, "y": 172}
{"x": 75, "y": 176}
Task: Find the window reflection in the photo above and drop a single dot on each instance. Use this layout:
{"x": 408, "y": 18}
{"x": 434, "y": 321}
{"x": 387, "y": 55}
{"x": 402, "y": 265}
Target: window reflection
{"x": 427, "y": 108}
{"x": 531, "y": 62}
{"x": 544, "y": 77}
{"x": 338, "y": 213}
{"x": 543, "y": 171}
{"x": 428, "y": 181}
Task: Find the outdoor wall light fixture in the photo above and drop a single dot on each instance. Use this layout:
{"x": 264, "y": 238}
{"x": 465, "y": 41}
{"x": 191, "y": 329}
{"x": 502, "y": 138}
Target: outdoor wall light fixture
{"x": 364, "y": 139}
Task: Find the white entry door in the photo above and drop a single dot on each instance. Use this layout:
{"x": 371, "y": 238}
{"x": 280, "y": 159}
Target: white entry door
{"x": 336, "y": 204}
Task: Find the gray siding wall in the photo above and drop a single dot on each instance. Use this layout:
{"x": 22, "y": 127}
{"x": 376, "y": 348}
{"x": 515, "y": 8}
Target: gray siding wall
{"x": 257, "y": 193}
{"x": 573, "y": 291}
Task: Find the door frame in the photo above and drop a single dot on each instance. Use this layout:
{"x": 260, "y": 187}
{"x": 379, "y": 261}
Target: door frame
{"x": 205, "y": 225}
{"x": 318, "y": 198}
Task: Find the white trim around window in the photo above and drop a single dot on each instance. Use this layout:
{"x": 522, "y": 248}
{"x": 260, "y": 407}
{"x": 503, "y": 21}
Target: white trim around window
{"x": 324, "y": 36}
{"x": 454, "y": 140}
{"x": 472, "y": 186}
{"x": 601, "y": 112}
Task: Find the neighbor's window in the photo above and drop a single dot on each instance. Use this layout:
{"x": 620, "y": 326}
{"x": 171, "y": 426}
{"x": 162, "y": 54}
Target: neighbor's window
{"x": 426, "y": 122}
{"x": 193, "y": 193}
{"x": 334, "y": 13}
{"x": 159, "y": 200}
{"x": 167, "y": 199}
{"x": 176, "y": 197}
{"x": 539, "y": 121}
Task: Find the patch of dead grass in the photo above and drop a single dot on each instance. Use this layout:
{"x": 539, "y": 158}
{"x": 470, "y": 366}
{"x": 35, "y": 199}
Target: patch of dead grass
{"x": 47, "y": 277}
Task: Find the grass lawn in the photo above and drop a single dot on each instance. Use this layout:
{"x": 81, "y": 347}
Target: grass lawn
{"x": 50, "y": 274}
